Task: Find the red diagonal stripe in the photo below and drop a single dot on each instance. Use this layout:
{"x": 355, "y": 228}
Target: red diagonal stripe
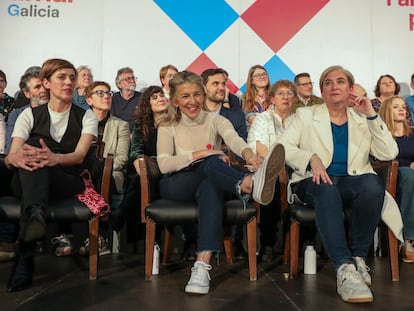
{"x": 202, "y": 63}
{"x": 277, "y": 21}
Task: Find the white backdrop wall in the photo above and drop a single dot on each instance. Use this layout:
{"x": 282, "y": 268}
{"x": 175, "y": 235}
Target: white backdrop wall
{"x": 368, "y": 37}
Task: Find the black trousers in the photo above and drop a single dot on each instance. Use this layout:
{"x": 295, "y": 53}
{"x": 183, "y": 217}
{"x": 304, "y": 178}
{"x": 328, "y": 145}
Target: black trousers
{"x": 37, "y": 187}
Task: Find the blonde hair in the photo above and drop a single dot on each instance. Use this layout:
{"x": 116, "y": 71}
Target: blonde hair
{"x": 386, "y": 115}
{"x": 173, "y": 114}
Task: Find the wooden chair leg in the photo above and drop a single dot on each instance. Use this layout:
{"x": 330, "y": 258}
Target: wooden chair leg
{"x": 93, "y": 247}
{"x": 149, "y": 248}
{"x": 393, "y": 254}
{"x": 228, "y": 244}
{"x": 252, "y": 248}
{"x": 294, "y": 249}
{"x": 168, "y": 241}
{"x": 286, "y": 249}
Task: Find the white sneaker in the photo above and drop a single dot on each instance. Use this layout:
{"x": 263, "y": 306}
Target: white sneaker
{"x": 363, "y": 269}
{"x": 265, "y": 177}
{"x": 350, "y": 285}
{"x": 407, "y": 251}
{"x": 199, "y": 282}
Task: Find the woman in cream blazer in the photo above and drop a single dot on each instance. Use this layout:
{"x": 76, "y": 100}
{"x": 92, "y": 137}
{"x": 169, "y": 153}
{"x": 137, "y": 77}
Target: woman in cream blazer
{"x": 329, "y": 147}
{"x": 113, "y": 131}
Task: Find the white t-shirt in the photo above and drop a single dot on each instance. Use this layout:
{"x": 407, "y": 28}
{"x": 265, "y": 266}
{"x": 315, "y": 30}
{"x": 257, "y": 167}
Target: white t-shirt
{"x": 58, "y": 124}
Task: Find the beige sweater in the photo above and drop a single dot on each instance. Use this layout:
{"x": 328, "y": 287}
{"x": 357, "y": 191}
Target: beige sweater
{"x": 176, "y": 143}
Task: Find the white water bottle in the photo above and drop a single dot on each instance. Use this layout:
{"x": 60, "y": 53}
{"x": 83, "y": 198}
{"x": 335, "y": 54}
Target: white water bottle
{"x": 156, "y": 260}
{"x": 309, "y": 260}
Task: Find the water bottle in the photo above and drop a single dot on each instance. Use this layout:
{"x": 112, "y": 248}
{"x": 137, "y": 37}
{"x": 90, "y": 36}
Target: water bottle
{"x": 156, "y": 260}
{"x": 310, "y": 260}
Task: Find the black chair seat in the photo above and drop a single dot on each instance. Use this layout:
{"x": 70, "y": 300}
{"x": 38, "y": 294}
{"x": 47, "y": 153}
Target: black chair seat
{"x": 306, "y": 214}
{"x": 174, "y": 212}
{"x": 67, "y": 209}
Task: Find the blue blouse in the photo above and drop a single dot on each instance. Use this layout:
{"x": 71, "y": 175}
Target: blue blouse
{"x": 339, "y": 163}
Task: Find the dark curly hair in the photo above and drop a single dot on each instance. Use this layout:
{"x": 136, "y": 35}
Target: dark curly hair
{"x": 143, "y": 114}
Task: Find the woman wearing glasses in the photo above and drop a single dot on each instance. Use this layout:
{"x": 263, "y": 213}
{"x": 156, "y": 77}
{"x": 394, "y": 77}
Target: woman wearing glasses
{"x": 257, "y": 86}
{"x": 264, "y": 132}
{"x": 114, "y": 133}
{"x": 49, "y": 146}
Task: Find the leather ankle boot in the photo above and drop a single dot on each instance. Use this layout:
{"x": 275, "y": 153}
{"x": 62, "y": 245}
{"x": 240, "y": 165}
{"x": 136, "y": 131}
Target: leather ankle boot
{"x": 35, "y": 227}
{"x": 21, "y": 275}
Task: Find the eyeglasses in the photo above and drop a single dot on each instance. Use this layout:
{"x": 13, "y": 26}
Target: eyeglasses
{"x": 306, "y": 84}
{"x": 127, "y": 79}
{"x": 283, "y": 94}
{"x": 260, "y": 75}
{"x": 101, "y": 93}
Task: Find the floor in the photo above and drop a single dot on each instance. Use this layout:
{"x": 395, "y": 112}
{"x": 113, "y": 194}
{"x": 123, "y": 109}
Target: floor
{"x": 62, "y": 284}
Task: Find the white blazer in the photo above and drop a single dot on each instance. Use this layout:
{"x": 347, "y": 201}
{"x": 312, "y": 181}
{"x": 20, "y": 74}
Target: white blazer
{"x": 311, "y": 133}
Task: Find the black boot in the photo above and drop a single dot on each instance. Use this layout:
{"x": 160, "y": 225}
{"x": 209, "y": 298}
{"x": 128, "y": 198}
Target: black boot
{"x": 35, "y": 227}
{"x": 23, "y": 268}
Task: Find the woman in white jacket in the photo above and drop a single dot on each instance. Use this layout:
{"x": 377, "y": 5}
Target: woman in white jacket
{"x": 328, "y": 146}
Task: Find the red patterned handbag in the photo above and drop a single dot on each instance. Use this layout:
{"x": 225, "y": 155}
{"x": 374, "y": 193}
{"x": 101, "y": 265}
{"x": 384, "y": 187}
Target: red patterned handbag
{"x": 92, "y": 199}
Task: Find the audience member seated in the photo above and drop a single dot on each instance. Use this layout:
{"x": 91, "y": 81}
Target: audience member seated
{"x": 85, "y": 79}
{"x": 230, "y": 101}
{"x": 394, "y": 111}
{"x": 6, "y": 106}
{"x": 410, "y": 99}
{"x": 359, "y": 90}
{"x": 48, "y": 148}
{"x": 125, "y": 102}
{"x": 328, "y": 146}
{"x": 32, "y": 88}
{"x": 257, "y": 86}
{"x": 264, "y": 132}
{"x": 386, "y": 87}
{"x": 115, "y": 133}
{"x": 166, "y": 74}
{"x": 305, "y": 96}
{"x": 187, "y": 134}
{"x": 214, "y": 81}
{"x": 20, "y": 99}
{"x": 152, "y": 105}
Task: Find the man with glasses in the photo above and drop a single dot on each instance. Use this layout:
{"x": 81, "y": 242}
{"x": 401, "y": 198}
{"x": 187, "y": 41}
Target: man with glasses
{"x": 305, "y": 96}
{"x": 125, "y": 102}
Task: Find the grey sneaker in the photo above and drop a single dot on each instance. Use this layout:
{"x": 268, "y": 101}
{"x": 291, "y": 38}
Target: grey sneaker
{"x": 63, "y": 245}
{"x": 199, "y": 282}
{"x": 103, "y": 247}
{"x": 350, "y": 285}
{"x": 265, "y": 177}
{"x": 363, "y": 269}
